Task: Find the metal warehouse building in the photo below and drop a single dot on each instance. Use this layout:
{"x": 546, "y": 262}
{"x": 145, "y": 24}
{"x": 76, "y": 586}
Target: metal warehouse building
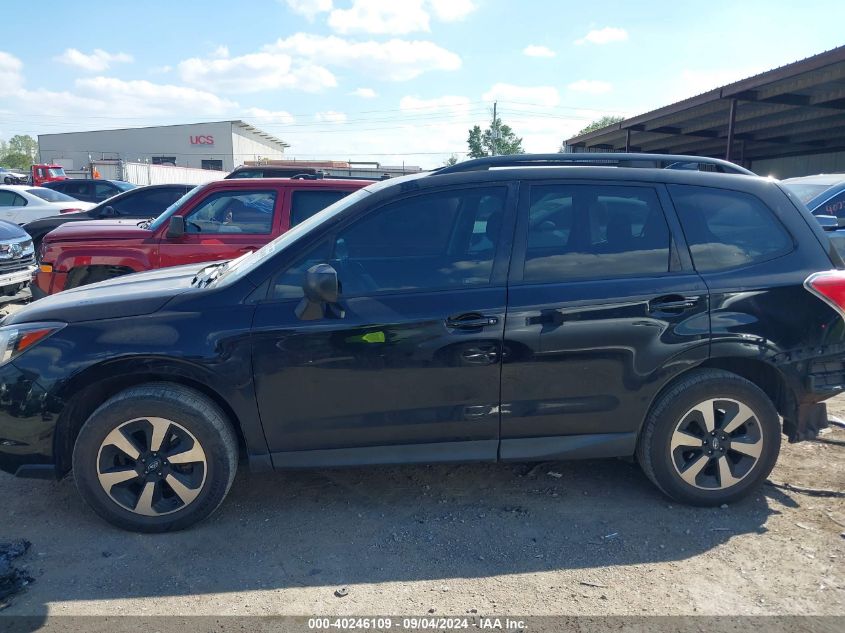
{"x": 789, "y": 121}
{"x": 219, "y": 145}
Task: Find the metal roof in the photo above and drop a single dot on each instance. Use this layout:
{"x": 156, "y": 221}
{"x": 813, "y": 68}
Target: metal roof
{"x": 792, "y": 110}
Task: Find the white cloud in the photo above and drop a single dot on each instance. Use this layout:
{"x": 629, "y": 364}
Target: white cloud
{"x": 364, "y": 93}
{"x": 254, "y": 73}
{"x": 397, "y": 17}
{"x": 96, "y": 62}
{"x": 591, "y": 86}
{"x": 533, "y": 50}
{"x": 452, "y": 10}
{"x": 395, "y": 59}
{"x": 391, "y": 17}
{"x": 140, "y": 96}
{"x": 604, "y": 36}
{"x": 161, "y": 70}
{"x": 523, "y": 95}
{"x": 309, "y": 9}
{"x": 260, "y": 117}
{"x": 10, "y": 73}
{"x": 330, "y": 116}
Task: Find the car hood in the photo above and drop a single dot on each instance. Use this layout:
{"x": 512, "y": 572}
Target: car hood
{"x": 98, "y": 230}
{"x": 129, "y": 295}
{"x": 10, "y": 231}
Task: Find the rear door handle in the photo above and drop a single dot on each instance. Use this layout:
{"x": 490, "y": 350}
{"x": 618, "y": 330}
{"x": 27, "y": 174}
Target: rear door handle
{"x": 673, "y": 303}
{"x": 471, "y": 321}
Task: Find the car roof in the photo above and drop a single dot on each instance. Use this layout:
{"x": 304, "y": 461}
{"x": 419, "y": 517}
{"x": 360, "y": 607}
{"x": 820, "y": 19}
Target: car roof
{"x": 817, "y": 179}
{"x": 318, "y": 183}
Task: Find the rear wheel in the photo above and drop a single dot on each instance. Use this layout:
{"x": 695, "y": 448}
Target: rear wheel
{"x": 156, "y": 457}
{"x": 711, "y": 439}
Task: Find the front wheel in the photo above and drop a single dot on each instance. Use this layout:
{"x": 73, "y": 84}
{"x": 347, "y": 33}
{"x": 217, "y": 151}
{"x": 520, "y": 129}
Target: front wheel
{"x": 156, "y": 457}
{"x": 710, "y": 439}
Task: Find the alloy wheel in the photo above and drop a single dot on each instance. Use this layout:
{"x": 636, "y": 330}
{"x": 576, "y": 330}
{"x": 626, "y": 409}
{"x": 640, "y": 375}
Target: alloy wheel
{"x": 151, "y": 466}
{"x": 716, "y": 444}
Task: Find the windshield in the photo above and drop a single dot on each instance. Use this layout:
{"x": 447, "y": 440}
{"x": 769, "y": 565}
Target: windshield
{"x": 123, "y": 186}
{"x": 56, "y": 172}
{"x": 173, "y": 208}
{"x": 50, "y": 195}
{"x": 243, "y": 265}
{"x": 805, "y": 192}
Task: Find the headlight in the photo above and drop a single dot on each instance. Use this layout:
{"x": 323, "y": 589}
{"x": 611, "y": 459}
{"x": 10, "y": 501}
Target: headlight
{"x": 16, "y": 339}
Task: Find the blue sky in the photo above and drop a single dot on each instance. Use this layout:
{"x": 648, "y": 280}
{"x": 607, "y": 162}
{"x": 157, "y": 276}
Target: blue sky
{"x": 388, "y": 80}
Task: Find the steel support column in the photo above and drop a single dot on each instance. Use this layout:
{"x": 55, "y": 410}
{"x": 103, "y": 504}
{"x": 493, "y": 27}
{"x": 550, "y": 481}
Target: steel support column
{"x": 628, "y": 140}
{"x": 731, "y": 122}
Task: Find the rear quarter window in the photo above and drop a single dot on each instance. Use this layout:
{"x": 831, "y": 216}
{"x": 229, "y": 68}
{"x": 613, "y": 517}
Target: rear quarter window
{"x": 728, "y": 229}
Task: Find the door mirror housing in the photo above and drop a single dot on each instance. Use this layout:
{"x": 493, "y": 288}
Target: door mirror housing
{"x": 322, "y": 290}
{"x": 176, "y": 227}
{"x": 108, "y": 212}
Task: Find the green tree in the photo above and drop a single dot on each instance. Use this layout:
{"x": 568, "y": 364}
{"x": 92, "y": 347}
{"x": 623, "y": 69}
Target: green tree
{"x": 600, "y": 123}
{"x": 16, "y": 160}
{"x": 23, "y": 144}
{"x": 481, "y": 143}
{"x": 452, "y": 160}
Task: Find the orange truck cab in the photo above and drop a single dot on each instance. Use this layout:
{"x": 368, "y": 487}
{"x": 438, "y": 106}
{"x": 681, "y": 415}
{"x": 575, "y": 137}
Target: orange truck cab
{"x": 47, "y": 173}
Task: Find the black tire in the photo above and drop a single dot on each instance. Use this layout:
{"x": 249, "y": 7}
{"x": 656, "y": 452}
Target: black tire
{"x": 8, "y": 181}
{"x": 680, "y": 402}
{"x": 197, "y": 419}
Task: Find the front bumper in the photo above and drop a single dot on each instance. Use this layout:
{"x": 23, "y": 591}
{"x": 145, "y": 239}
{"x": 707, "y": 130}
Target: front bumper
{"x": 28, "y": 421}
{"x": 48, "y": 283}
{"x": 24, "y": 275}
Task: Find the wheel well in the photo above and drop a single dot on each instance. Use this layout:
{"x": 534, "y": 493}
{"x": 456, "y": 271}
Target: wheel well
{"x": 766, "y": 377}
{"x": 78, "y": 276}
{"x": 763, "y": 375}
{"x": 87, "y": 400}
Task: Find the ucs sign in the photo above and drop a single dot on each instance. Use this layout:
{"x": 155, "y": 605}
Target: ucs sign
{"x": 202, "y": 140}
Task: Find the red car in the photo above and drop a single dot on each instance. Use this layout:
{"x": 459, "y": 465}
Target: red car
{"x": 219, "y": 220}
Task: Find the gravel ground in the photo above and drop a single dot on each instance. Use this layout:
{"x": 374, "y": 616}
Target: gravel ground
{"x": 500, "y": 539}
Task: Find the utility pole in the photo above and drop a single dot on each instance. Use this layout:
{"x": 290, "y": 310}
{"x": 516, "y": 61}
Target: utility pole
{"x": 494, "y": 130}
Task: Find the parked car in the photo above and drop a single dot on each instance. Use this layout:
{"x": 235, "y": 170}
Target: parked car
{"x": 12, "y": 176}
{"x": 21, "y": 203}
{"x": 219, "y": 220}
{"x": 469, "y": 314}
{"x": 17, "y": 259}
{"x": 90, "y": 190}
{"x": 139, "y": 203}
{"x": 267, "y": 171}
{"x": 824, "y": 194}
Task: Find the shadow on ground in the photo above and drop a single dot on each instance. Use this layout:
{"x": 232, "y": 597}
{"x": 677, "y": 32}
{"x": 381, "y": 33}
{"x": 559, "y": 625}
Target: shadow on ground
{"x": 370, "y": 525}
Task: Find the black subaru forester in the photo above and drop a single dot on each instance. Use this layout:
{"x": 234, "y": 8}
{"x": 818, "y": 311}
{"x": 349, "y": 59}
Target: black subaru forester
{"x": 686, "y": 313}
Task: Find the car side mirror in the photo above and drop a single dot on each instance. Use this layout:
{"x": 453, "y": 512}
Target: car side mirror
{"x": 828, "y": 222}
{"x": 322, "y": 290}
{"x": 108, "y": 212}
{"x": 176, "y": 227}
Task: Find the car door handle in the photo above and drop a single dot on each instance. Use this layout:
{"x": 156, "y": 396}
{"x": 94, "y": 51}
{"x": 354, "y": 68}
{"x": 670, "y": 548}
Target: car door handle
{"x": 471, "y": 321}
{"x": 672, "y": 303}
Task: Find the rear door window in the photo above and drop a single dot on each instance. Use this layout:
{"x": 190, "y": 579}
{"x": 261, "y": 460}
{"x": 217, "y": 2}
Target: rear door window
{"x": 305, "y": 203}
{"x": 594, "y": 231}
{"x": 728, "y": 229}
{"x": 834, "y": 206}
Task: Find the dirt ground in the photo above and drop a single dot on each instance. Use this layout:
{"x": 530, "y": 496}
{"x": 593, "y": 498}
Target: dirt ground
{"x": 500, "y": 539}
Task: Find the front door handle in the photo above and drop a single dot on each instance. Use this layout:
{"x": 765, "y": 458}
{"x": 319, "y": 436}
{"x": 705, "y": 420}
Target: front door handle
{"x": 672, "y": 303}
{"x": 471, "y": 321}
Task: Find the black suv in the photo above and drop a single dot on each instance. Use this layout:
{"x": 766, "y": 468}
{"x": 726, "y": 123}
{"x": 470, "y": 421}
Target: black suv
{"x": 466, "y": 314}
{"x": 89, "y": 190}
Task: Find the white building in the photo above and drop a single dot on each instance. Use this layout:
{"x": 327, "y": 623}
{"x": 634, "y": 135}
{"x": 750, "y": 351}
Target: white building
{"x": 219, "y": 145}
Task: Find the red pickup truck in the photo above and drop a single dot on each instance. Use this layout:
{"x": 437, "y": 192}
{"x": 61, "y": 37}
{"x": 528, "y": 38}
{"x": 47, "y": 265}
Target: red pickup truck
{"x": 218, "y": 220}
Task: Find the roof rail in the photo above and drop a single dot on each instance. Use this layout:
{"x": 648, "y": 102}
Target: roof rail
{"x": 600, "y": 159}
